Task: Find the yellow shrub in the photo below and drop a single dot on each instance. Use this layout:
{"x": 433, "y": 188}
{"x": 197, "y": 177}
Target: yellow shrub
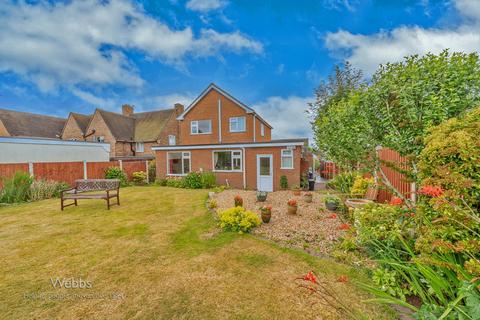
{"x": 360, "y": 186}
{"x": 238, "y": 219}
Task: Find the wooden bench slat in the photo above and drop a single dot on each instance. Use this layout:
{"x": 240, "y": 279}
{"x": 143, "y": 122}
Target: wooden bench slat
{"x": 111, "y": 187}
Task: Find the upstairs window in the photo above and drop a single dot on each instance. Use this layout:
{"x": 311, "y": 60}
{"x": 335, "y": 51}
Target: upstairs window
{"x": 287, "y": 159}
{"x": 171, "y": 140}
{"x": 201, "y": 127}
{"x": 237, "y": 124}
{"x": 178, "y": 163}
{"x": 262, "y": 129}
{"x": 139, "y": 147}
{"x": 227, "y": 160}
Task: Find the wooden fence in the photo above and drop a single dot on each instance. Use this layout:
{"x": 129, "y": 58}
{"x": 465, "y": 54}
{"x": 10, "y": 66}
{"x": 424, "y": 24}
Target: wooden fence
{"x": 70, "y": 171}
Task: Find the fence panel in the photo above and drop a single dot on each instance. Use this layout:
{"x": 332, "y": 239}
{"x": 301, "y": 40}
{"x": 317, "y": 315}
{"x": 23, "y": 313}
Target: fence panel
{"x": 129, "y": 167}
{"x": 7, "y": 170}
{"x": 59, "y": 171}
{"x": 96, "y": 170}
{"x": 397, "y": 179}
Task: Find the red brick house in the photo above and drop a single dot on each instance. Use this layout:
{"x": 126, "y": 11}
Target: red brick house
{"x": 219, "y": 133}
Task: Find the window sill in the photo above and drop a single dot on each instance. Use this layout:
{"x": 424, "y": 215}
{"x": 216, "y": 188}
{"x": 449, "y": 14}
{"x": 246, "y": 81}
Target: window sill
{"x": 175, "y": 175}
{"x": 240, "y": 131}
{"x": 281, "y": 168}
{"x": 228, "y": 171}
{"x": 197, "y": 134}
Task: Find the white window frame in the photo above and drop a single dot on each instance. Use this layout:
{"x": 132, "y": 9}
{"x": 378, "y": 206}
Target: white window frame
{"x": 139, "y": 147}
{"x": 235, "y": 120}
{"x": 262, "y": 129}
{"x": 172, "y": 140}
{"x": 194, "y": 124}
{"x": 286, "y": 156}
{"x": 185, "y": 155}
{"x": 240, "y": 157}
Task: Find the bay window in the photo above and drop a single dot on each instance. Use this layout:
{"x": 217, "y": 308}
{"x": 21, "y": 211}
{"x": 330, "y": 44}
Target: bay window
{"x": 287, "y": 159}
{"x": 201, "y": 127}
{"x": 178, "y": 163}
{"x": 227, "y": 160}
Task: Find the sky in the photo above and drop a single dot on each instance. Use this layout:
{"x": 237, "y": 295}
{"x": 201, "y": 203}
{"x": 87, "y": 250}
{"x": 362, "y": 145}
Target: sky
{"x": 62, "y": 56}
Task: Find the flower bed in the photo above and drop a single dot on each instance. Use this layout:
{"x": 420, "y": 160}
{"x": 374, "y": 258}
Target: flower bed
{"x": 310, "y": 229}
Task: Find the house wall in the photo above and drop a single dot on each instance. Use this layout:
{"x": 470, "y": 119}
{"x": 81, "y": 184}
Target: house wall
{"x": 72, "y": 130}
{"x": 147, "y": 147}
{"x": 268, "y": 131}
{"x": 122, "y": 149}
{"x": 207, "y": 109}
{"x": 3, "y": 131}
{"x": 101, "y": 129}
{"x": 202, "y": 160}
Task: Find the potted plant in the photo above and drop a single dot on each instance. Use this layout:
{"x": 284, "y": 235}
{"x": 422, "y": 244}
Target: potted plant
{"x": 261, "y": 196}
{"x": 238, "y": 201}
{"x": 296, "y": 190}
{"x": 292, "y": 206}
{"x": 308, "y": 197}
{"x": 332, "y": 202}
{"x": 266, "y": 213}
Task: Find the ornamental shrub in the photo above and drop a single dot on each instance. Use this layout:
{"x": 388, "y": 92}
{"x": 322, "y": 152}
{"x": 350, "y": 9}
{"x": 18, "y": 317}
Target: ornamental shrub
{"x": 17, "y": 188}
{"x": 360, "y": 186}
{"x": 193, "y": 180}
{"x": 116, "y": 173}
{"x": 284, "y": 182}
{"x": 451, "y": 158}
{"x": 209, "y": 180}
{"x": 46, "y": 189}
{"x": 152, "y": 170}
{"x": 239, "y": 220}
{"x": 343, "y": 182}
{"x": 175, "y": 182}
{"x": 139, "y": 177}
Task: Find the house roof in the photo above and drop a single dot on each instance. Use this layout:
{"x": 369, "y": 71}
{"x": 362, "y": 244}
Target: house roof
{"x": 122, "y": 127}
{"x": 271, "y": 143}
{"x": 149, "y": 125}
{"x": 213, "y": 86}
{"x": 82, "y": 120}
{"x": 24, "y": 124}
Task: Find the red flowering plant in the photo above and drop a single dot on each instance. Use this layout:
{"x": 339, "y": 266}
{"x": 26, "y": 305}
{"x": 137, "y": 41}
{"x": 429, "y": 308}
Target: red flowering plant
{"x": 396, "y": 201}
{"x": 344, "y": 226}
{"x": 431, "y": 191}
{"x": 238, "y": 201}
{"x": 266, "y": 208}
{"x": 292, "y": 202}
{"x": 321, "y": 289}
{"x": 332, "y": 216}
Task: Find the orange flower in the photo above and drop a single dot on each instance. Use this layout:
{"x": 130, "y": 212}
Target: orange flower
{"x": 431, "y": 191}
{"x": 292, "y": 202}
{"x": 344, "y": 226}
{"x": 396, "y": 201}
{"x": 310, "y": 277}
{"x": 332, "y": 216}
{"x": 343, "y": 278}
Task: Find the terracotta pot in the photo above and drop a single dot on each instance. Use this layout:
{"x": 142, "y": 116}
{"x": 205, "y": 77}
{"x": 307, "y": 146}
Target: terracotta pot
{"x": 308, "y": 199}
{"x": 292, "y": 209}
{"x": 297, "y": 192}
{"x": 239, "y": 203}
{"x": 266, "y": 216}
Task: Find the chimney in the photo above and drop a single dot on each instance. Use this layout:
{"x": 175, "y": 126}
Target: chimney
{"x": 179, "y": 108}
{"x": 127, "y": 110}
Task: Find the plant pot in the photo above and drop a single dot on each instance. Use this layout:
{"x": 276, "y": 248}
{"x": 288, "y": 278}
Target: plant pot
{"x": 238, "y": 203}
{"x": 308, "y": 199}
{"x": 332, "y": 206}
{"x": 261, "y": 196}
{"x": 297, "y": 192}
{"x": 292, "y": 209}
{"x": 266, "y": 216}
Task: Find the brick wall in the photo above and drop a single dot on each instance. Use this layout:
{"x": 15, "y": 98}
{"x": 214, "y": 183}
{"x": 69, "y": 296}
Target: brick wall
{"x": 72, "y": 130}
{"x": 101, "y": 129}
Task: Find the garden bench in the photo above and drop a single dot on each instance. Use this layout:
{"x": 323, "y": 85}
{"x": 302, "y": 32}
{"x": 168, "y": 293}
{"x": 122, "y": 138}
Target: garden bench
{"x": 108, "y": 188}
{"x": 370, "y": 197}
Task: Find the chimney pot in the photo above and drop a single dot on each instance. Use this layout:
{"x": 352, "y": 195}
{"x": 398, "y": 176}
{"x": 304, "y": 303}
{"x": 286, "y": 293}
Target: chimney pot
{"x": 127, "y": 109}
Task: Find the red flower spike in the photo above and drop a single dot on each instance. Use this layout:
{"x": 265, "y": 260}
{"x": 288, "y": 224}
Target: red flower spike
{"x": 310, "y": 277}
{"x": 332, "y": 216}
{"x": 343, "y": 279}
{"x": 431, "y": 191}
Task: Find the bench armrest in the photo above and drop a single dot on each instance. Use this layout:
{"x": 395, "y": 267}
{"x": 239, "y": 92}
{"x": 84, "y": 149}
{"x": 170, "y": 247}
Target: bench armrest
{"x": 67, "y": 190}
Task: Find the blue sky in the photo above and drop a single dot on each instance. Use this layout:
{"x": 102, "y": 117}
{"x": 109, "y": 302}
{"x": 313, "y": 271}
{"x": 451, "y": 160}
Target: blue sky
{"x": 57, "y": 57}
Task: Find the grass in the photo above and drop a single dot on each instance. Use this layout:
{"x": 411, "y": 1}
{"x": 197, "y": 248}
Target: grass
{"x": 158, "y": 255}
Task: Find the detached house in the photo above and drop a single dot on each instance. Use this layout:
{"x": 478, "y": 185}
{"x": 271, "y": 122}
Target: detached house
{"x": 130, "y": 135}
{"x": 219, "y": 133}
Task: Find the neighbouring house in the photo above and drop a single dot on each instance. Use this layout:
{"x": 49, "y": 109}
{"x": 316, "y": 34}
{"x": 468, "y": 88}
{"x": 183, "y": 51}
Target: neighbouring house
{"x": 130, "y": 135}
{"x": 24, "y": 124}
{"x": 219, "y": 133}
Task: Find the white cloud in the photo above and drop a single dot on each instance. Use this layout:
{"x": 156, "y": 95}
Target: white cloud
{"x": 84, "y": 42}
{"x": 368, "y": 51}
{"x": 93, "y": 100}
{"x": 286, "y": 115}
{"x": 205, "y": 5}
{"x": 168, "y": 100}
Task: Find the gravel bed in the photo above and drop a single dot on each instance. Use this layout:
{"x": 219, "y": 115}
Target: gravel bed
{"x": 310, "y": 229}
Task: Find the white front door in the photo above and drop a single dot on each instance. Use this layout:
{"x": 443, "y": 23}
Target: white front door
{"x": 265, "y": 172}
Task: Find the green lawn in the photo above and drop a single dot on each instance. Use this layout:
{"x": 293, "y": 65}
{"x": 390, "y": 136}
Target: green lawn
{"x": 162, "y": 256}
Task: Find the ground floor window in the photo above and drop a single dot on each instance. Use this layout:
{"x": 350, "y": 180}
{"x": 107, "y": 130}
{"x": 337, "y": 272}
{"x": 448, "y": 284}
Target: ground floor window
{"x": 178, "y": 163}
{"x": 227, "y": 160}
{"x": 287, "y": 159}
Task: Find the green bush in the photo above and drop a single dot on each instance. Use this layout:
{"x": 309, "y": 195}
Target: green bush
{"x": 139, "y": 177}
{"x": 343, "y": 182}
{"x": 152, "y": 171}
{"x": 284, "y": 182}
{"x": 175, "y": 182}
{"x": 209, "y": 180}
{"x": 193, "y": 180}
{"x": 161, "y": 182}
{"x": 360, "y": 186}
{"x": 46, "y": 189}
{"x": 238, "y": 219}
{"x": 17, "y": 188}
{"x": 116, "y": 173}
